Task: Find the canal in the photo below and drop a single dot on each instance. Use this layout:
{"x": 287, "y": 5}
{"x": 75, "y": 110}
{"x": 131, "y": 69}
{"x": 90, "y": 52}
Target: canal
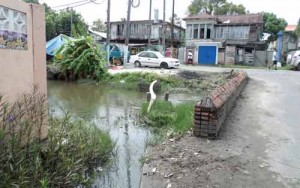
{"x": 115, "y": 111}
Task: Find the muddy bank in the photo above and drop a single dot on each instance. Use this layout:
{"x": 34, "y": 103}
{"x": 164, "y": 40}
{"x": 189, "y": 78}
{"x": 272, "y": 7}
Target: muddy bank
{"x": 236, "y": 159}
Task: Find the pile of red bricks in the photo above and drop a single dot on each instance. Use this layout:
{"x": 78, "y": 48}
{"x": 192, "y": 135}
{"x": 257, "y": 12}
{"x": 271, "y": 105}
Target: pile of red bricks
{"x": 212, "y": 110}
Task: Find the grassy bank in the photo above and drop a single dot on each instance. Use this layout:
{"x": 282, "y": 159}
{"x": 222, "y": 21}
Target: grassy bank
{"x": 131, "y": 80}
{"x": 67, "y": 158}
{"x": 168, "y": 119}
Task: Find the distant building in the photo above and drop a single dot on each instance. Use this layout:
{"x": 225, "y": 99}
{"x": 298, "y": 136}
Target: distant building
{"x": 99, "y": 37}
{"x": 139, "y": 31}
{"x": 290, "y": 39}
{"x": 225, "y": 39}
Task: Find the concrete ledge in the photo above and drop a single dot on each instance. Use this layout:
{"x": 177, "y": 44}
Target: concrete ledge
{"x": 211, "y": 112}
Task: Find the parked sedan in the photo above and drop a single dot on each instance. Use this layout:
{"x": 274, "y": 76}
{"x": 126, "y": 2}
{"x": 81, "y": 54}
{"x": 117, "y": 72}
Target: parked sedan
{"x": 153, "y": 59}
{"x": 296, "y": 59}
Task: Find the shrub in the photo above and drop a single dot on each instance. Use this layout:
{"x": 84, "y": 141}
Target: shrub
{"x": 65, "y": 159}
{"x": 81, "y": 58}
{"x": 167, "y": 117}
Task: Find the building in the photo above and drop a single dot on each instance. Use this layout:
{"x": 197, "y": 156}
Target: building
{"x": 225, "y": 39}
{"x": 99, "y": 37}
{"x": 290, "y": 39}
{"x": 139, "y": 32}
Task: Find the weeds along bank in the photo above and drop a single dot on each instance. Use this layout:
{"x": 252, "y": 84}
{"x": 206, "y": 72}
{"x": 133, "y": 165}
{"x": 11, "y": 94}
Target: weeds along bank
{"x": 67, "y": 158}
{"x": 174, "y": 120}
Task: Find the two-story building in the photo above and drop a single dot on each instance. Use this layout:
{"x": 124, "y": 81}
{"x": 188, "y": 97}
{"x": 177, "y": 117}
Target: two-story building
{"x": 225, "y": 39}
{"x": 139, "y": 33}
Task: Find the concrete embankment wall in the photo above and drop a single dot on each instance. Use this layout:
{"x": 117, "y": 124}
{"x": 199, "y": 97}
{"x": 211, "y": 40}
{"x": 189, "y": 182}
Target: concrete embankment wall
{"x": 211, "y": 112}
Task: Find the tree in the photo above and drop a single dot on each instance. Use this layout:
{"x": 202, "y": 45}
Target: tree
{"x": 219, "y": 7}
{"x": 177, "y": 20}
{"x": 231, "y": 9}
{"x": 67, "y": 22}
{"x": 98, "y": 25}
{"x": 32, "y": 1}
{"x": 273, "y": 25}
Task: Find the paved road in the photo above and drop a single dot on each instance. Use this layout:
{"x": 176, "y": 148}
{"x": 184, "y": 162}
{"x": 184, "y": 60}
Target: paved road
{"x": 270, "y": 105}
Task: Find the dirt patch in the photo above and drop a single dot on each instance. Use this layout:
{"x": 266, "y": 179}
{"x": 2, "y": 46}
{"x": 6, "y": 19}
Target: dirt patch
{"x": 235, "y": 159}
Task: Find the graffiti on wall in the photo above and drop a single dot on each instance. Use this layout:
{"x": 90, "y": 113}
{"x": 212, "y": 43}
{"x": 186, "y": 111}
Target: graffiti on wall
{"x": 13, "y": 29}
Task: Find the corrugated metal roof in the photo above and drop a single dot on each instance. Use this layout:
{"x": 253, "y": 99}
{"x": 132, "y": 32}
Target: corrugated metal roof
{"x": 230, "y": 19}
{"x": 291, "y": 28}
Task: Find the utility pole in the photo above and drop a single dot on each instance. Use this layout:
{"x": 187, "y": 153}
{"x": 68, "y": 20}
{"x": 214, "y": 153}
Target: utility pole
{"x": 128, "y": 23}
{"x": 172, "y": 28}
{"x": 108, "y": 32}
{"x": 164, "y": 28}
{"x": 126, "y": 51}
{"x": 150, "y": 25}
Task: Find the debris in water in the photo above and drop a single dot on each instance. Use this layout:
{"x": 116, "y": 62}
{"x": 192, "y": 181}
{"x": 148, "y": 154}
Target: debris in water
{"x": 263, "y": 165}
{"x": 154, "y": 170}
{"x": 168, "y": 175}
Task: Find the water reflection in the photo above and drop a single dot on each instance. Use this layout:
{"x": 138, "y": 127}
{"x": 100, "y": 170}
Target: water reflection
{"x": 115, "y": 111}
{"x": 112, "y": 110}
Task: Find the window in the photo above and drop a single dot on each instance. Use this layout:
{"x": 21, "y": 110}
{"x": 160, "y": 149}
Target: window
{"x": 196, "y": 31}
{"x": 120, "y": 29}
{"x": 144, "y": 54}
{"x": 209, "y": 31}
{"x": 202, "y": 31}
{"x": 152, "y": 55}
{"x": 189, "y": 31}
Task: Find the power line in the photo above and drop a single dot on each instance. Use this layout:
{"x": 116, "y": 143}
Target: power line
{"x": 66, "y": 5}
{"x": 94, "y": 1}
{"x": 75, "y": 4}
{"x": 136, "y": 5}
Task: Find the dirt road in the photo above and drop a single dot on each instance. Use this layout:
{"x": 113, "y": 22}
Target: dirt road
{"x": 259, "y": 144}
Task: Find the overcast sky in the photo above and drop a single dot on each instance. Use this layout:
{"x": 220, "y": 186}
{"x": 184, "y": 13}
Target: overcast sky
{"x": 287, "y": 9}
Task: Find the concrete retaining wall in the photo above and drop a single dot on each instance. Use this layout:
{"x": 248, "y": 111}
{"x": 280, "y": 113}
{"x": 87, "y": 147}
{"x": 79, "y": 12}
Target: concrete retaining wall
{"x": 212, "y": 110}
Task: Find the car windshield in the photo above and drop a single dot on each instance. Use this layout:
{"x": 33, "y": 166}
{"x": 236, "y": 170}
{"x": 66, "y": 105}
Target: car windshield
{"x": 159, "y": 55}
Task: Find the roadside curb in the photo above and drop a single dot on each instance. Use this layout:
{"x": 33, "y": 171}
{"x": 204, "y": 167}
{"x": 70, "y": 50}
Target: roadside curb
{"x": 211, "y": 112}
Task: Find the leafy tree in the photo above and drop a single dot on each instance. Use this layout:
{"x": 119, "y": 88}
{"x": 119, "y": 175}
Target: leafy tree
{"x": 231, "y": 9}
{"x": 67, "y": 22}
{"x": 32, "y": 1}
{"x": 98, "y": 25}
{"x": 177, "y": 20}
{"x": 219, "y": 7}
{"x": 298, "y": 29}
{"x": 273, "y": 25}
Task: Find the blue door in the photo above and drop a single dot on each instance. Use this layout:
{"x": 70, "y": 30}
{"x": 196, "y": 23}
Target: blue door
{"x": 207, "y": 55}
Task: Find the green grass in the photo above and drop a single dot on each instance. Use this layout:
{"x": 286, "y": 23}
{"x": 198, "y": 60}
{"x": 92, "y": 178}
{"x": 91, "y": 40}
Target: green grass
{"x": 131, "y": 80}
{"x": 72, "y": 149}
{"x": 168, "y": 118}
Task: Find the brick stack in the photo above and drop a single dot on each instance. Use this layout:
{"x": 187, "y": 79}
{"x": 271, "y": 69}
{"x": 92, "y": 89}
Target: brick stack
{"x": 212, "y": 110}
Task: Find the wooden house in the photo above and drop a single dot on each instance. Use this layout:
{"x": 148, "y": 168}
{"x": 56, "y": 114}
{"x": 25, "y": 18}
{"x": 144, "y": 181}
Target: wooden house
{"x": 225, "y": 39}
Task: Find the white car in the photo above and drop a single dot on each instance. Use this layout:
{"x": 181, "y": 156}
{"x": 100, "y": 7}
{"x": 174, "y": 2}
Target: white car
{"x": 296, "y": 59}
{"x": 153, "y": 59}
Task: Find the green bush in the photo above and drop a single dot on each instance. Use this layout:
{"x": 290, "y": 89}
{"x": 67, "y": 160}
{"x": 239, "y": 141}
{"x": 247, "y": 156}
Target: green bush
{"x": 81, "y": 58}
{"x": 72, "y": 150}
{"x": 167, "y": 117}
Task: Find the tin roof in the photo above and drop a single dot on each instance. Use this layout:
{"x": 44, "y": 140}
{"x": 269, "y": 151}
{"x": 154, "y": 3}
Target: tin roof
{"x": 229, "y": 19}
{"x": 291, "y": 28}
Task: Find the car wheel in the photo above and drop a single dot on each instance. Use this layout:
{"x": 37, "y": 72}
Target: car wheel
{"x": 137, "y": 64}
{"x": 164, "y": 65}
{"x": 298, "y": 67}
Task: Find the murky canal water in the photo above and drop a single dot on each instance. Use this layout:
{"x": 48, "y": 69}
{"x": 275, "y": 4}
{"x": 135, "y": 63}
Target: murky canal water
{"x": 113, "y": 110}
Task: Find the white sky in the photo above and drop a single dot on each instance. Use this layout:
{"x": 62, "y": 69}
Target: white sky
{"x": 287, "y": 9}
